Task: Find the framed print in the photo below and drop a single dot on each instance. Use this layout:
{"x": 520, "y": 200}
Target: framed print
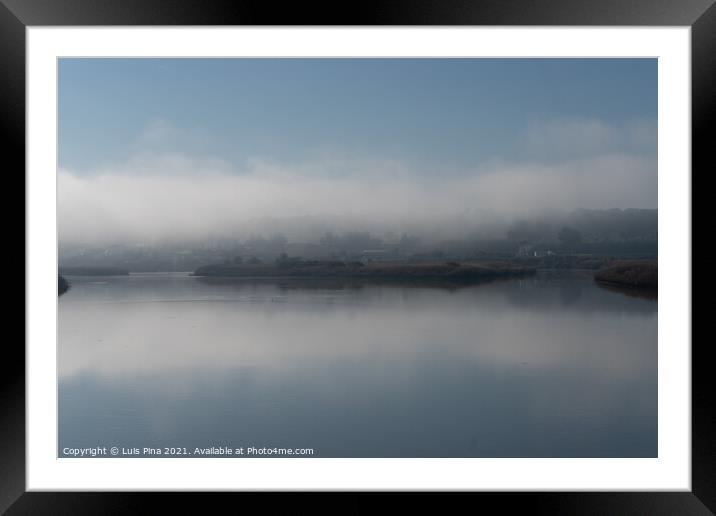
{"x": 416, "y": 250}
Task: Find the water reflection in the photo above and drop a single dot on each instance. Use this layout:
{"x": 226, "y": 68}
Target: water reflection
{"x": 544, "y": 366}
{"x": 643, "y": 293}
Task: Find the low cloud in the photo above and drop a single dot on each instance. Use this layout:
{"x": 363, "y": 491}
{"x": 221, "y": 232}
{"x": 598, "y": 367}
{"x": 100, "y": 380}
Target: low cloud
{"x": 204, "y": 200}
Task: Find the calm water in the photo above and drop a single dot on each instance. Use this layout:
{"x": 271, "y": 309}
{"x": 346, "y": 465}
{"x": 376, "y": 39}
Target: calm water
{"x": 551, "y": 366}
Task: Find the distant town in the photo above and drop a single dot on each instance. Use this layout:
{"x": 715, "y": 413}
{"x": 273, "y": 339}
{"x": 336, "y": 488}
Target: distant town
{"x": 585, "y": 236}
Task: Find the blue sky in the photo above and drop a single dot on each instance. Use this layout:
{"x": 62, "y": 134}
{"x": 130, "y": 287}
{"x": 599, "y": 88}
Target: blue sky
{"x": 158, "y": 148}
{"x": 425, "y": 112}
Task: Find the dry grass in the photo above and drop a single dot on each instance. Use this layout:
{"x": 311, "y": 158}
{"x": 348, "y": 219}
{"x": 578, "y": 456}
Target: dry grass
{"x": 384, "y": 270}
{"x": 637, "y": 274}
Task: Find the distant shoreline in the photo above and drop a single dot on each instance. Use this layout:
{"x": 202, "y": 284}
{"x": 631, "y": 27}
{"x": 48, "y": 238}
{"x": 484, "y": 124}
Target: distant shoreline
{"x": 452, "y": 272}
{"x": 93, "y": 271}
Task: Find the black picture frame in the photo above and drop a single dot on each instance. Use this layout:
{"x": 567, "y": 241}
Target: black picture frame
{"x": 16, "y": 15}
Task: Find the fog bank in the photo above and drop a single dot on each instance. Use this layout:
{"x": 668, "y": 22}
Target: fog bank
{"x": 170, "y": 196}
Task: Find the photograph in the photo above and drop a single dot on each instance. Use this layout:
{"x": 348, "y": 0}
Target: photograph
{"x": 378, "y": 257}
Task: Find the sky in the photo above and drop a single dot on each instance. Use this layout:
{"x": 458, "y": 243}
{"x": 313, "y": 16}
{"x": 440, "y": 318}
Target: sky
{"x": 193, "y": 144}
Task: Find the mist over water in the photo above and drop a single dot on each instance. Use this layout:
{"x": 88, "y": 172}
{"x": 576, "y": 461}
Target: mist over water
{"x": 292, "y": 167}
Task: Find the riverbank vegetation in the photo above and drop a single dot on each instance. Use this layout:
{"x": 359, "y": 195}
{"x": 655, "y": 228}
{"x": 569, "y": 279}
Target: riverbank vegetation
{"x": 62, "y": 285}
{"x": 285, "y": 267}
{"x": 632, "y": 274}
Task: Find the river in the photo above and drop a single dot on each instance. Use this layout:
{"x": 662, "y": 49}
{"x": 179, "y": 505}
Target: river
{"x": 546, "y": 366}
